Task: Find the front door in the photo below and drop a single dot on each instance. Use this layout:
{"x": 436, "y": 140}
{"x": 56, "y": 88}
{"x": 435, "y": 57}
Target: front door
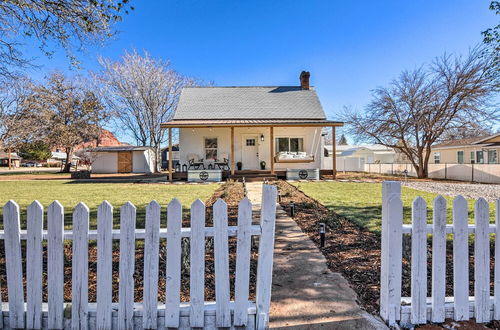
{"x": 250, "y": 152}
{"x": 124, "y": 162}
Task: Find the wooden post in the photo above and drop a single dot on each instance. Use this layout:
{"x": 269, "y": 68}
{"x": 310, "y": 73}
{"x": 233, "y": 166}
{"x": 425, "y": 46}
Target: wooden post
{"x": 232, "y": 150}
{"x": 170, "y": 174}
{"x": 10, "y": 158}
{"x": 271, "y": 151}
{"x": 334, "y": 156}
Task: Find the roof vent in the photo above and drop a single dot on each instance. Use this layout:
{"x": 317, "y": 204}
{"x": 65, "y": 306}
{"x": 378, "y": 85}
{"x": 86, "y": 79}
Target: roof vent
{"x": 304, "y": 79}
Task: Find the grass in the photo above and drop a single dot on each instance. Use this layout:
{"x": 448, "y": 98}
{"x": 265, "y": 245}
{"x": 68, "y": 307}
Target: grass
{"x": 361, "y": 202}
{"x": 70, "y": 193}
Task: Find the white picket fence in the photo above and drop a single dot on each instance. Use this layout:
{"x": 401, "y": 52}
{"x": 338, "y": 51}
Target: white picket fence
{"x": 128, "y": 314}
{"x": 420, "y": 309}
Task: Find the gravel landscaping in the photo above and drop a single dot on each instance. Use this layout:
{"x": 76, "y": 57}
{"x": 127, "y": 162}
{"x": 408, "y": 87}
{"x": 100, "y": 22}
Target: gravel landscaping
{"x": 490, "y": 192}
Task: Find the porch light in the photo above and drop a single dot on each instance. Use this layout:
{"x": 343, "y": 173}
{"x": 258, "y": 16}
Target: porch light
{"x": 262, "y": 137}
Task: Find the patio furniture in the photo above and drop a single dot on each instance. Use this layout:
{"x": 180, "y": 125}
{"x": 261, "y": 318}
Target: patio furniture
{"x": 195, "y": 162}
{"x": 293, "y": 157}
{"x": 223, "y": 165}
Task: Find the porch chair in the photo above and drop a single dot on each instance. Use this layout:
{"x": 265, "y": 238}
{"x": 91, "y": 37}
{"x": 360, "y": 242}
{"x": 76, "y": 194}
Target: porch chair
{"x": 224, "y": 164}
{"x": 195, "y": 162}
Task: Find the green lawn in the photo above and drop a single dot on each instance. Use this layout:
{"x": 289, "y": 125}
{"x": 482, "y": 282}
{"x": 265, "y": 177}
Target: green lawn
{"x": 361, "y": 202}
{"x": 69, "y": 193}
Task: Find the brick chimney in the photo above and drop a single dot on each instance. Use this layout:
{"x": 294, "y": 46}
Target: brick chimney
{"x": 304, "y": 79}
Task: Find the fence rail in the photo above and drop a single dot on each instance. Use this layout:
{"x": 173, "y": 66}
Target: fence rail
{"x": 78, "y": 313}
{"x": 419, "y": 308}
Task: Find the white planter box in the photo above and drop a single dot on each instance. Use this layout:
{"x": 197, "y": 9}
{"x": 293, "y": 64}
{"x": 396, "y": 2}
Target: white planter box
{"x": 302, "y": 174}
{"x": 204, "y": 175}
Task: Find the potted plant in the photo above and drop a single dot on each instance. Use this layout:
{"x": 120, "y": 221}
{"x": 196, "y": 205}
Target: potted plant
{"x": 239, "y": 166}
{"x": 262, "y": 165}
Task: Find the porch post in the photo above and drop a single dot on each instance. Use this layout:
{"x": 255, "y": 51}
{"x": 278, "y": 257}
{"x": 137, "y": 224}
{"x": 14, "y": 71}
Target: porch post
{"x": 232, "y": 150}
{"x": 271, "y": 144}
{"x": 334, "y": 154}
{"x": 170, "y": 174}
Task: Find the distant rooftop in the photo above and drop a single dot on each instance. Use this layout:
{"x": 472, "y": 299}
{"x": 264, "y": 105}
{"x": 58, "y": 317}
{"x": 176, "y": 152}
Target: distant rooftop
{"x": 468, "y": 141}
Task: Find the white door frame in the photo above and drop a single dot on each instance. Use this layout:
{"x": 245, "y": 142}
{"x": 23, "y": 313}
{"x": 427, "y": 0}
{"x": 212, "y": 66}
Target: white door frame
{"x": 243, "y": 145}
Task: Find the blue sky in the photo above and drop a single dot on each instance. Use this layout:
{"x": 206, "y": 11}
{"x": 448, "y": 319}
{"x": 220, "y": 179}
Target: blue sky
{"x": 350, "y": 47}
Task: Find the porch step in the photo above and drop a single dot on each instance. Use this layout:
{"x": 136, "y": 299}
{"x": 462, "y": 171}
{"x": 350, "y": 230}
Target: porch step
{"x": 253, "y": 177}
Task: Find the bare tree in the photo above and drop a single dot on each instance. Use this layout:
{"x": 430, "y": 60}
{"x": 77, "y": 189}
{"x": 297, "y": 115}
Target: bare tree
{"x": 68, "y": 112}
{"x": 16, "y": 125}
{"x": 143, "y": 93}
{"x": 71, "y": 24}
{"x": 418, "y": 108}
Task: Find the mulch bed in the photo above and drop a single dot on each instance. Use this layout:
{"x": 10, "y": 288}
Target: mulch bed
{"x": 355, "y": 252}
{"x": 230, "y": 192}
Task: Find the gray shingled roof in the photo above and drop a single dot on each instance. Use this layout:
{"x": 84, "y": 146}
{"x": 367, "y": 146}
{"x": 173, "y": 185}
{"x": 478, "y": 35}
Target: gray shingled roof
{"x": 248, "y": 103}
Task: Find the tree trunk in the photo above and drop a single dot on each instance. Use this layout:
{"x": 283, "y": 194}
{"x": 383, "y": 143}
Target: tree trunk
{"x": 67, "y": 166}
{"x": 157, "y": 159}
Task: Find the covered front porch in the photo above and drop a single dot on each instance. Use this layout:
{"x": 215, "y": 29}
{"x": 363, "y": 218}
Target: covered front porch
{"x": 264, "y": 149}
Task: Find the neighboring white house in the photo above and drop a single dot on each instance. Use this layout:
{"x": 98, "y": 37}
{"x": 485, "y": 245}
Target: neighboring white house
{"x": 276, "y": 129}
{"x": 122, "y": 159}
{"x": 354, "y": 157}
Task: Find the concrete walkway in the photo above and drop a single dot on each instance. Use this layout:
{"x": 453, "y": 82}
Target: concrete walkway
{"x": 305, "y": 293}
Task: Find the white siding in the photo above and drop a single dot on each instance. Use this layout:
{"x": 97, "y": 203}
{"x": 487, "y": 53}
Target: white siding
{"x": 191, "y": 142}
{"x": 106, "y": 162}
{"x": 143, "y": 161}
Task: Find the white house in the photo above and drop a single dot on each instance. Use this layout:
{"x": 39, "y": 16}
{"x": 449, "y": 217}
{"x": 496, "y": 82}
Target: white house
{"x": 122, "y": 159}
{"x": 257, "y": 130}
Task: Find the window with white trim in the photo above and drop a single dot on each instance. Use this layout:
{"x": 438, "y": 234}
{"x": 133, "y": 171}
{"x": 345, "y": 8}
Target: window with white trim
{"x": 460, "y": 157}
{"x": 437, "y": 157}
{"x": 492, "y": 157}
{"x": 210, "y": 145}
{"x": 472, "y": 157}
{"x": 287, "y": 144}
{"x": 479, "y": 157}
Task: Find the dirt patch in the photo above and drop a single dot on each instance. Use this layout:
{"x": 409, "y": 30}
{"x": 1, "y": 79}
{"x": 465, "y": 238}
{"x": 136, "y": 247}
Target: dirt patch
{"x": 230, "y": 192}
{"x": 349, "y": 250}
{"x": 355, "y": 252}
{"x": 375, "y": 177}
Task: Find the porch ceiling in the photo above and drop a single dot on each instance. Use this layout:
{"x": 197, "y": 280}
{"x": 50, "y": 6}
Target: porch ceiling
{"x": 198, "y": 123}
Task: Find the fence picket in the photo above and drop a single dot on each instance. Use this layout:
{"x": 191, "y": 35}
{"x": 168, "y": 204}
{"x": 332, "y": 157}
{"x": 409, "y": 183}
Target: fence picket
{"x": 438, "y": 259}
{"x": 79, "y": 314}
{"x": 391, "y": 245}
{"x": 34, "y": 266}
{"x": 221, "y": 251}
{"x": 419, "y": 262}
{"x": 79, "y": 275}
{"x": 55, "y": 265}
{"x": 243, "y": 263}
{"x": 266, "y": 251}
{"x": 14, "y": 266}
{"x": 460, "y": 259}
{"x": 127, "y": 263}
{"x": 151, "y": 264}
{"x": 104, "y": 265}
{"x": 482, "y": 261}
{"x": 497, "y": 261}
{"x": 174, "y": 252}
{"x": 197, "y": 264}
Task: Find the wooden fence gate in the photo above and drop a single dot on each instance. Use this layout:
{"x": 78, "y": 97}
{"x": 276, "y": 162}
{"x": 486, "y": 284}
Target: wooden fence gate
{"x": 78, "y": 313}
{"x": 419, "y": 308}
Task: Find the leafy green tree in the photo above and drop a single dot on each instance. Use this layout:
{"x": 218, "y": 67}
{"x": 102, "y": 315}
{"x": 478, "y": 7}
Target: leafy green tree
{"x": 37, "y": 151}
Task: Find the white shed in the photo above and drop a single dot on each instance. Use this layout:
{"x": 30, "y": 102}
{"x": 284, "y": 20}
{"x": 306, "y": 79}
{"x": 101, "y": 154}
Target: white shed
{"x": 123, "y": 159}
